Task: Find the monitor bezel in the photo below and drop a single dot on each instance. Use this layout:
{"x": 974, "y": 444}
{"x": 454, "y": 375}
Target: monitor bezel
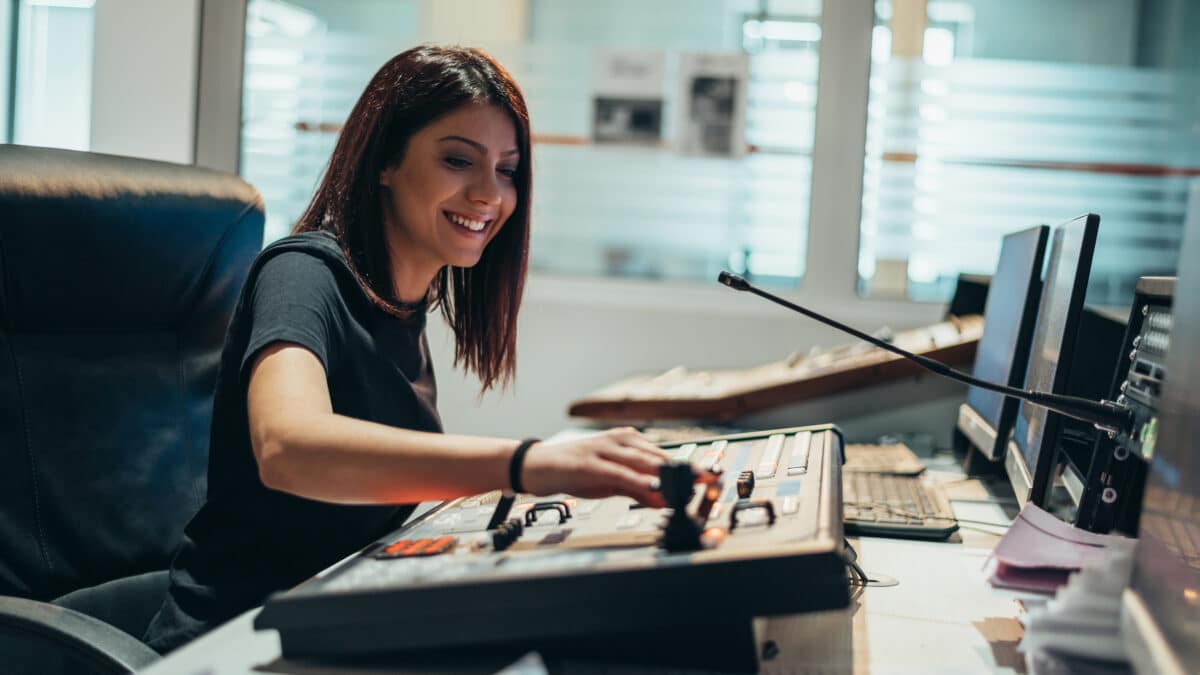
{"x": 973, "y": 423}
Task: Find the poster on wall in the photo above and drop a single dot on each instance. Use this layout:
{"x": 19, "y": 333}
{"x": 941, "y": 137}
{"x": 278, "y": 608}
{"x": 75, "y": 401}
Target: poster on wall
{"x": 712, "y": 103}
{"x": 627, "y": 96}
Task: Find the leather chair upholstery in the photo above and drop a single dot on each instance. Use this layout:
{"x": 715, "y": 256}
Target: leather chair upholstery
{"x": 118, "y": 277}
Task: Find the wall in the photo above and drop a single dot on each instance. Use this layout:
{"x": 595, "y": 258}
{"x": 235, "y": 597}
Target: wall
{"x": 144, "y": 78}
{"x": 5, "y": 65}
{"x": 53, "y": 85}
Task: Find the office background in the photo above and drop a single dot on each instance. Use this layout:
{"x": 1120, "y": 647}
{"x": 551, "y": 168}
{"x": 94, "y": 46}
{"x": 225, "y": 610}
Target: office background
{"x": 891, "y": 144}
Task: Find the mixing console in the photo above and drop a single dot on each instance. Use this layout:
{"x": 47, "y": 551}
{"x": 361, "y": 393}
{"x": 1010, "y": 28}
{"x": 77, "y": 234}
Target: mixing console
{"x": 756, "y": 531}
{"x": 680, "y": 393}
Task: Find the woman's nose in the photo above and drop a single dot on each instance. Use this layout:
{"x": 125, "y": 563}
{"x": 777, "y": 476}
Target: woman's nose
{"x": 485, "y": 189}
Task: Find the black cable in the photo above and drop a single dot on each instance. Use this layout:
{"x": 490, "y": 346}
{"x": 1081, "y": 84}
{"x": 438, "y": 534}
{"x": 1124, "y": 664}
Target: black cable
{"x": 850, "y": 557}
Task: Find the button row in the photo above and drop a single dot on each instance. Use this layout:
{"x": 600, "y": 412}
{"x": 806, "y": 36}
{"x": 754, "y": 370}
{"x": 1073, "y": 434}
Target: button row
{"x": 408, "y": 548}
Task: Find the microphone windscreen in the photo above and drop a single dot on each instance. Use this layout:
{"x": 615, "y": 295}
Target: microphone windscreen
{"x": 732, "y": 280}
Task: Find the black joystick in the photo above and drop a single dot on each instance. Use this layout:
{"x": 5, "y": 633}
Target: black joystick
{"x": 681, "y": 531}
{"x": 506, "y": 533}
{"x": 745, "y": 484}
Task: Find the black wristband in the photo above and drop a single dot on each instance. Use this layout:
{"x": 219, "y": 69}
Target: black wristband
{"x": 514, "y": 464}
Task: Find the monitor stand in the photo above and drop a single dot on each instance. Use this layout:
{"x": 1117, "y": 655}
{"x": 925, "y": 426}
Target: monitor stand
{"x": 974, "y": 439}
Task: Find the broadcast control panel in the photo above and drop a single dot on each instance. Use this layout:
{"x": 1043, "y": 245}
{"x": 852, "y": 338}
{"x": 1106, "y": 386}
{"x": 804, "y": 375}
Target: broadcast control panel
{"x": 1113, "y": 498}
{"x": 756, "y": 531}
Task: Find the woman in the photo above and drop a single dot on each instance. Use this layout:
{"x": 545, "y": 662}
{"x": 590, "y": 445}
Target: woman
{"x": 325, "y": 431}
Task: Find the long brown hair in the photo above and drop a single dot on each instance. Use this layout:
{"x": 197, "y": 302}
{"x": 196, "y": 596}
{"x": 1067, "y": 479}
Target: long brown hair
{"x": 410, "y": 91}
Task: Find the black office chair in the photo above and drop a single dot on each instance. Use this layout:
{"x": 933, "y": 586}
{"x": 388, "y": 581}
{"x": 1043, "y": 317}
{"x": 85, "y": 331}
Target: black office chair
{"x": 117, "y": 280}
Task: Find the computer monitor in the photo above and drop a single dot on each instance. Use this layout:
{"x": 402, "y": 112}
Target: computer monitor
{"x": 1032, "y": 451}
{"x": 1096, "y": 358}
{"x": 1160, "y": 620}
{"x": 986, "y": 418}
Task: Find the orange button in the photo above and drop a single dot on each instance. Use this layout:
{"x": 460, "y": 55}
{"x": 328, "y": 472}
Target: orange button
{"x": 440, "y": 546}
{"x": 418, "y": 547}
{"x": 397, "y": 547}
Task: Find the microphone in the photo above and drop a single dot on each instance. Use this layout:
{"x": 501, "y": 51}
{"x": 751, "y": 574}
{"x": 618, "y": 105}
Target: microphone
{"x": 1105, "y": 415}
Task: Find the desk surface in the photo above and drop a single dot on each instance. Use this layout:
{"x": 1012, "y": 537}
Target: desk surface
{"x": 942, "y": 617}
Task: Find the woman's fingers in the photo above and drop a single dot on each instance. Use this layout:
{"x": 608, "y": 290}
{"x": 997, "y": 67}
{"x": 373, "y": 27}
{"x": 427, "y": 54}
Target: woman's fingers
{"x": 615, "y": 462}
{"x": 643, "y": 444}
{"x": 634, "y": 458}
{"x": 632, "y": 438}
{"x": 626, "y": 481}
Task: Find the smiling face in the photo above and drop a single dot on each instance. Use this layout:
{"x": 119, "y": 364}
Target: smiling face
{"x": 449, "y": 195}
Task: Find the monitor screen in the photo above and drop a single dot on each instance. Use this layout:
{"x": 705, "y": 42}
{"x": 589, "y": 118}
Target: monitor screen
{"x": 1035, "y": 435}
{"x": 1166, "y": 572}
{"x": 1009, "y": 315}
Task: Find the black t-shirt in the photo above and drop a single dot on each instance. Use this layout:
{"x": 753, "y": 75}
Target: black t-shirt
{"x": 248, "y": 541}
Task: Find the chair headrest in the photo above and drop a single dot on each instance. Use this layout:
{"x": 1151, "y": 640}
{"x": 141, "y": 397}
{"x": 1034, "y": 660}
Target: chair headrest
{"x": 82, "y": 235}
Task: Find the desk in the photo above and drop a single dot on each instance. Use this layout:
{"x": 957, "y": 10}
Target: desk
{"x": 942, "y": 617}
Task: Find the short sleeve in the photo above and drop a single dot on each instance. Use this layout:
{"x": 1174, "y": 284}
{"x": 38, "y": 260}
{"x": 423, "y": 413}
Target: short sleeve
{"x": 295, "y": 299}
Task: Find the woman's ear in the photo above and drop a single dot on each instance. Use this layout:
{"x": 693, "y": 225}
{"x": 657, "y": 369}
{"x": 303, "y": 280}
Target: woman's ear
{"x": 385, "y": 176}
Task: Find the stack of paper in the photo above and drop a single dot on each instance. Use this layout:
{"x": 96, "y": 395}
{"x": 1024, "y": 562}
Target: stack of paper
{"x": 1083, "y": 619}
{"x": 1040, "y": 551}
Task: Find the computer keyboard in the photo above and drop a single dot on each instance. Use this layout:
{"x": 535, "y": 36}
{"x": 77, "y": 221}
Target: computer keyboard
{"x": 895, "y": 506}
{"x": 894, "y": 458}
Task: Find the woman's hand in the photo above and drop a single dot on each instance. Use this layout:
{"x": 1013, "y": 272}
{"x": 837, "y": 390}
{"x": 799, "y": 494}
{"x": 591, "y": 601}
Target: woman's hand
{"x": 615, "y": 462}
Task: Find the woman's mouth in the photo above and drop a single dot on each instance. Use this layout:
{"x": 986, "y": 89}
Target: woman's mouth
{"x": 465, "y": 222}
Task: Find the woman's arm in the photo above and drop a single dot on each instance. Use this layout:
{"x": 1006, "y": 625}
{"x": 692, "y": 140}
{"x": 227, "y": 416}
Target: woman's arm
{"x": 304, "y": 448}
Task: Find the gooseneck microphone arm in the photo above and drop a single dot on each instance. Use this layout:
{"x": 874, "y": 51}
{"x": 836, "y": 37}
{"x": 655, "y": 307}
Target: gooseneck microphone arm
{"x": 1105, "y": 415}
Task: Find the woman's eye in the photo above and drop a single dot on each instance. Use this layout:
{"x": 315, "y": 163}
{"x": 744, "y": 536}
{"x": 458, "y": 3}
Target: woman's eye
{"x": 457, "y": 162}
{"x": 508, "y": 172}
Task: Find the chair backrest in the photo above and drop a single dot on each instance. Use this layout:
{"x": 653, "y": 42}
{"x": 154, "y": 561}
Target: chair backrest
{"x": 118, "y": 277}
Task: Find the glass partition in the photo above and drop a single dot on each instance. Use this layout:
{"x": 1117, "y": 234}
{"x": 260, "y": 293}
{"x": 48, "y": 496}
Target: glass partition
{"x": 53, "y": 89}
{"x": 988, "y": 117}
{"x": 667, "y": 176}
{"x": 7, "y": 37}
